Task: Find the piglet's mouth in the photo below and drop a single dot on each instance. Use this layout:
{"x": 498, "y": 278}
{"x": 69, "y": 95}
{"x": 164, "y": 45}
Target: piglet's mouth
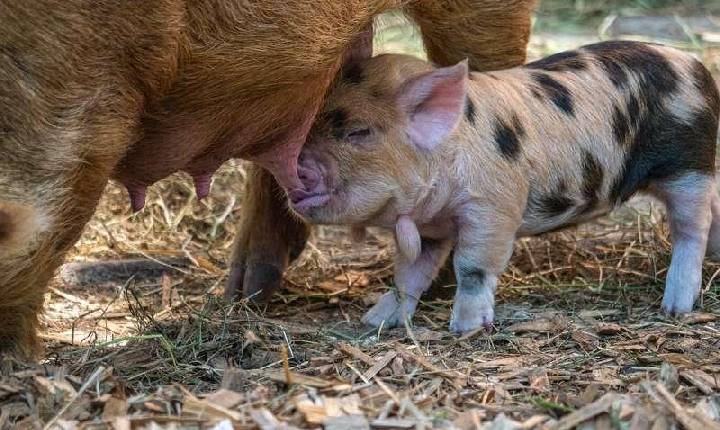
{"x": 303, "y": 200}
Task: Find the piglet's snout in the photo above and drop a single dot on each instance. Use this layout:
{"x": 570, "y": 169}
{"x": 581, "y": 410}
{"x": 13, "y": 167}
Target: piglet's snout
{"x": 311, "y": 175}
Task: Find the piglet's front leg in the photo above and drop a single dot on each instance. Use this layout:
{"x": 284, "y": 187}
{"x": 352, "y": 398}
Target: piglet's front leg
{"x": 482, "y": 254}
{"x": 412, "y": 280}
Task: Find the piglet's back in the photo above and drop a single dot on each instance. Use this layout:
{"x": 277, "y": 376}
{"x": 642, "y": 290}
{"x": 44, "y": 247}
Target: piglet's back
{"x": 584, "y": 130}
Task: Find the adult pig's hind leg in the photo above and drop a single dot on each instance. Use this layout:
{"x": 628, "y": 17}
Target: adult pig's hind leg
{"x": 269, "y": 238}
{"x": 37, "y": 227}
{"x": 20, "y": 300}
{"x": 491, "y": 34}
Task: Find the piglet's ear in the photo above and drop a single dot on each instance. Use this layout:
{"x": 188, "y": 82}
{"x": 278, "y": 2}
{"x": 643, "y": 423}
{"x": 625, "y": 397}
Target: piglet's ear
{"x": 434, "y": 103}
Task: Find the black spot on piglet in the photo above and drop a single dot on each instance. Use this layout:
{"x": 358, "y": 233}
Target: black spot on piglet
{"x": 507, "y": 137}
{"x": 705, "y": 84}
{"x": 556, "y": 92}
{"x": 553, "y": 204}
{"x": 593, "y": 177}
{"x": 562, "y": 61}
{"x": 620, "y": 126}
{"x": 337, "y": 119}
{"x": 620, "y": 57}
{"x": 470, "y": 112}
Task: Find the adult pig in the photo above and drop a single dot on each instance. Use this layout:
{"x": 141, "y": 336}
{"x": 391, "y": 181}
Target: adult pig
{"x": 137, "y": 90}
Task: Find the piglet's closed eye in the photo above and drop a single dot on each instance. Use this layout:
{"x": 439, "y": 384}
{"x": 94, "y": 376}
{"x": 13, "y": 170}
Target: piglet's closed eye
{"x": 434, "y": 103}
{"x": 407, "y": 238}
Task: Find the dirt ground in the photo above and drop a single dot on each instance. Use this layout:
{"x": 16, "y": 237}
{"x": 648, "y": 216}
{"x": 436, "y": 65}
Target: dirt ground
{"x": 138, "y": 337}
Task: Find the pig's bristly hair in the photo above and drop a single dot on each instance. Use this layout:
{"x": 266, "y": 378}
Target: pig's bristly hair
{"x": 18, "y": 223}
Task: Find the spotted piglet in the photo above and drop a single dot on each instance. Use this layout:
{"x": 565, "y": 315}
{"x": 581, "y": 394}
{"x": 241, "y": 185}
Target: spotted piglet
{"x": 473, "y": 161}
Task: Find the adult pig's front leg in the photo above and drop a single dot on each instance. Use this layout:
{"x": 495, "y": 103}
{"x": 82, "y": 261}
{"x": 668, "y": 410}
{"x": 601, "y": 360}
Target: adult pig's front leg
{"x": 268, "y": 239}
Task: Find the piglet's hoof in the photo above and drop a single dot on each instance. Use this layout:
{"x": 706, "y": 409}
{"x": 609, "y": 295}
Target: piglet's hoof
{"x": 470, "y": 313}
{"x": 678, "y": 301}
{"x": 681, "y": 290}
{"x": 388, "y": 312}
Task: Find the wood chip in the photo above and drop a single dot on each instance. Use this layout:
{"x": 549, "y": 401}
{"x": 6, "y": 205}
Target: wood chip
{"x": 539, "y": 381}
{"x": 355, "y": 353}
{"x": 500, "y": 363}
{"x": 346, "y": 422}
{"x": 533, "y": 422}
{"x": 318, "y": 410}
{"x": 265, "y": 419}
{"x": 234, "y": 379}
{"x": 689, "y": 420}
{"x": 699, "y": 318}
{"x": 587, "y": 341}
{"x": 380, "y": 365}
{"x": 456, "y": 378}
{"x": 608, "y": 328}
{"x": 393, "y": 424}
{"x": 422, "y": 361}
{"x": 205, "y": 409}
{"x": 536, "y": 326}
{"x": 607, "y": 376}
{"x": 470, "y": 420}
{"x": 225, "y": 398}
{"x": 298, "y": 378}
{"x": 114, "y": 407}
{"x": 592, "y": 410}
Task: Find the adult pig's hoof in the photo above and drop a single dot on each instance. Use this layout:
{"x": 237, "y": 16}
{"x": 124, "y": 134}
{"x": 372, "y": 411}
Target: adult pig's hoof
{"x": 257, "y": 281}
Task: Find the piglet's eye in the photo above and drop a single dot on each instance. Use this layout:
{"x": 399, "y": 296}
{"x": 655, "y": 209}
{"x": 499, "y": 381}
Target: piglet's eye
{"x": 358, "y": 134}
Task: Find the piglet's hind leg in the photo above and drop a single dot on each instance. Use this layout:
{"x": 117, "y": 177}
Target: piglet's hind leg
{"x": 713, "y": 246}
{"x": 412, "y": 280}
{"x": 688, "y": 200}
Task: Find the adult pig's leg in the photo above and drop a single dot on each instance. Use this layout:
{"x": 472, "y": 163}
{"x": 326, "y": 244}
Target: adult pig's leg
{"x": 491, "y": 34}
{"x": 268, "y": 239}
{"x": 39, "y": 221}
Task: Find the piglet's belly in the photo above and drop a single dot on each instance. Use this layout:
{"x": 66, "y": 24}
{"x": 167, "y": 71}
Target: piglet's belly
{"x": 542, "y": 221}
{"x": 439, "y": 229}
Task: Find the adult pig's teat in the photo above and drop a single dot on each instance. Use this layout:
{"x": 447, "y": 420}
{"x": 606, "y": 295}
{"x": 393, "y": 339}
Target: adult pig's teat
{"x": 203, "y": 182}
{"x": 137, "y": 196}
{"x": 407, "y": 237}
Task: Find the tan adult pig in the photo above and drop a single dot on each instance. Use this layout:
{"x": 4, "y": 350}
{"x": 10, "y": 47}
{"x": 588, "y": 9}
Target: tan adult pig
{"x": 136, "y": 90}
